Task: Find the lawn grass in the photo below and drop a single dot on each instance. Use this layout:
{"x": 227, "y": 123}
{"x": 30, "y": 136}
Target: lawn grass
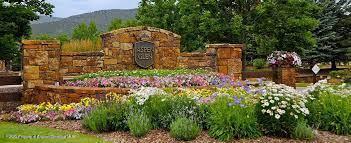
{"x": 10, "y": 133}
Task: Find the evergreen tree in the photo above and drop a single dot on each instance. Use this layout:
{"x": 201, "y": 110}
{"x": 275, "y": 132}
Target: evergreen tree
{"x": 327, "y": 35}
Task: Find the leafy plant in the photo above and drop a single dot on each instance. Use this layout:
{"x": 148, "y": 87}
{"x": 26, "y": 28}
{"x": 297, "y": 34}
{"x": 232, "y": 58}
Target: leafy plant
{"x": 97, "y": 120}
{"x": 184, "y": 129}
{"x": 139, "y": 124}
{"x": 107, "y": 117}
{"x": 331, "y": 112}
{"x": 302, "y": 131}
{"x": 230, "y": 117}
{"x": 259, "y": 63}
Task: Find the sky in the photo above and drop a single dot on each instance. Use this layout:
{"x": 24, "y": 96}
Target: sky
{"x": 66, "y": 8}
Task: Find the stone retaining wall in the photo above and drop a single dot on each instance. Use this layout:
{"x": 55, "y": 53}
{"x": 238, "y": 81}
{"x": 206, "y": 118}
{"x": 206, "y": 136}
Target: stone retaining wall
{"x": 67, "y": 94}
{"x": 194, "y": 60}
{"x": 10, "y": 97}
{"x": 77, "y": 63}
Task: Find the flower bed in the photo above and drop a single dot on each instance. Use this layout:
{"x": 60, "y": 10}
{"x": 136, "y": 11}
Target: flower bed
{"x": 225, "y": 112}
{"x": 153, "y": 78}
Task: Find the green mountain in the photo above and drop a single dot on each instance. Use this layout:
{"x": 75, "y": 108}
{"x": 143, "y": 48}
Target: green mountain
{"x": 102, "y": 18}
{"x": 45, "y": 19}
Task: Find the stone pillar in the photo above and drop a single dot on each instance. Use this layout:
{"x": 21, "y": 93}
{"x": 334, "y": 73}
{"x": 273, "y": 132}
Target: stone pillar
{"x": 228, "y": 59}
{"x": 41, "y": 65}
{"x": 287, "y": 76}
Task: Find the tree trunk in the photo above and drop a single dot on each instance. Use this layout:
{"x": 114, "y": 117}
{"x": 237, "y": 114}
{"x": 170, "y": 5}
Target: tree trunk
{"x": 333, "y": 65}
{"x": 7, "y": 65}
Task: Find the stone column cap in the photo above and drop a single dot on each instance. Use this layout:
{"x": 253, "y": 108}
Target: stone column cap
{"x": 40, "y": 42}
{"x": 225, "y": 45}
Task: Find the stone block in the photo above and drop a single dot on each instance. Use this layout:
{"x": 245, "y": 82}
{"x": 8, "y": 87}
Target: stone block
{"x": 110, "y": 61}
{"x": 79, "y": 63}
{"x": 223, "y": 53}
{"x": 236, "y": 53}
{"x": 31, "y": 72}
{"x": 115, "y": 44}
{"x": 126, "y": 46}
{"x": 223, "y": 69}
{"x": 75, "y": 69}
{"x": 33, "y": 83}
{"x": 222, "y": 62}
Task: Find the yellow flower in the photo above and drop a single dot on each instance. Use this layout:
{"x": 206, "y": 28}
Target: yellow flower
{"x": 27, "y": 108}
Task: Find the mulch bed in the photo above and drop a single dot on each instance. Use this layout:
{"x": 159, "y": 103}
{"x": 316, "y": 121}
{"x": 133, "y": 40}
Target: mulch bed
{"x": 160, "y": 136}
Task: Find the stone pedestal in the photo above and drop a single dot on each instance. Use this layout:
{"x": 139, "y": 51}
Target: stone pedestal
{"x": 285, "y": 75}
{"x": 41, "y": 64}
{"x": 228, "y": 59}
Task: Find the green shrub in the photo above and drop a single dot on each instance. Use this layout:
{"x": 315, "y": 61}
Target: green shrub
{"x": 107, "y": 117}
{"x": 259, "y": 63}
{"x": 184, "y": 129}
{"x": 164, "y": 109}
{"x": 331, "y": 112}
{"x": 302, "y": 131}
{"x": 139, "y": 124}
{"x": 97, "y": 120}
{"x": 228, "y": 121}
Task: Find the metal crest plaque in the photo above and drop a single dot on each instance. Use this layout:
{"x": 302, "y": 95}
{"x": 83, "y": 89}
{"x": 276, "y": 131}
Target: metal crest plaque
{"x": 144, "y": 54}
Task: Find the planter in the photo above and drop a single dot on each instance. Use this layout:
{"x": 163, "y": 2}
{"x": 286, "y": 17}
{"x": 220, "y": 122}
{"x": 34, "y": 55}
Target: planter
{"x": 284, "y": 75}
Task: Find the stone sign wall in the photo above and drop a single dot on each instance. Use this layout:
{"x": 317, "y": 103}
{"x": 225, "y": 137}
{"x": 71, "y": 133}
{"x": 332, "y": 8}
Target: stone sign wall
{"x": 119, "y": 46}
{"x": 124, "y": 49}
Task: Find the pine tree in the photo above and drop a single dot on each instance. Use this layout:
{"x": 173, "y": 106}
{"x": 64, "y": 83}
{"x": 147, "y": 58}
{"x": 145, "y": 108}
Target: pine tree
{"x": 327, "y": 49}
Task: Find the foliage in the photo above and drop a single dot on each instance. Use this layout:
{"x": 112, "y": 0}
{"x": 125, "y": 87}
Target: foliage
{"x": 184, "y": 129}
{"x": 8, "y": 129}
{"x": 82, "y": 45}
{"x": 344, "y": 74}
{"x": 285, "y": 25}
{"x": 9, "y": 47}
{"x": 283, "y": 58}
{"x": 302, "y": 131}
{"x": 327, "y": 49}
{"x": 119, "y": 23}
{"x": 15, "y": 17}
{"x": 230, "y": 117}
{"x": 139, "y": 124}
{"x": 84, "y": 32}
{"x": 200, "y": 22}
{"x": 110, "y": 116}
{"x": 279, "y": 109}
{"x": 63, "y": 38}
{"x": 331, "y": 111}
{"x": 259, "y": 63}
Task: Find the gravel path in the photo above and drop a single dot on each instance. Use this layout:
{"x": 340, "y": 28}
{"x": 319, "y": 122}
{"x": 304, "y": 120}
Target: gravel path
{"x": 160, "y": 136}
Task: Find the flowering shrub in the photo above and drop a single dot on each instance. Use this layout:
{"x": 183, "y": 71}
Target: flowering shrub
{"x": 284, "y": 58}
{"x": 142, "y": 73}
{"x": 155, "y": 81}
{"x": 144, "y": 94}
{"x": 331, "y": 110}
{"x": 280, "y": 107}
{"x": 46, "y": 111}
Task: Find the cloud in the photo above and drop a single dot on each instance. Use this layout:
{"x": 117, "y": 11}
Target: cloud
{"x": 66, "y": 8}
